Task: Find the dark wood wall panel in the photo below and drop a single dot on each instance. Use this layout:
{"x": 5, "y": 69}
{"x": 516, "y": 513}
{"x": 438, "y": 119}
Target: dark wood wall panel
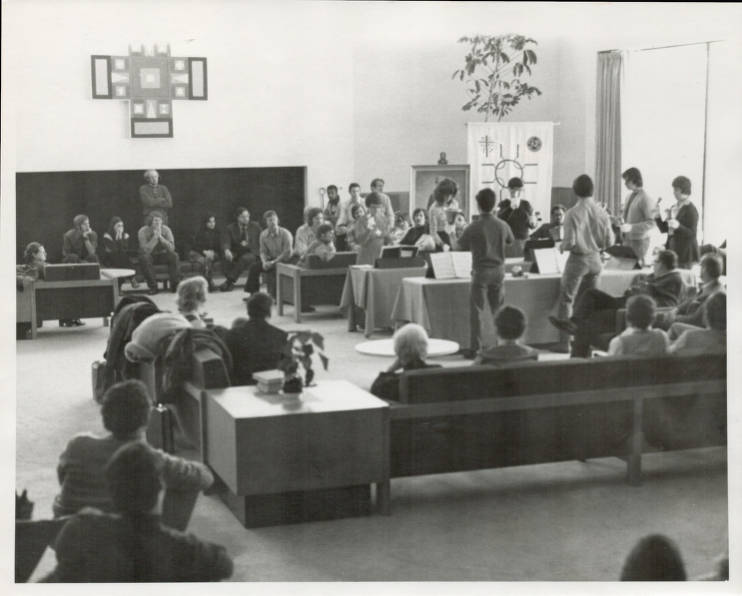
{"x": 46, "y": 202}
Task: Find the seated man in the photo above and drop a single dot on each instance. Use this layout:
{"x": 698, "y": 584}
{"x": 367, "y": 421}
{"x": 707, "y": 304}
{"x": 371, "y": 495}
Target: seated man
{"x": 156, "y": 247}
{"x": 711, "y": 338}
{"x": 510, "y": 325}
{"x": 125, "y": 411}
{"x": 410, "y": 349}
{"x": 255, "y": 344}
{"x": 553, "y": 229}
{"x": 241, "y": 249}
{"x": 595, "y": 311}
{"x": 690, "y": 312}
{"x": 306, "y": 234}
{"x": 131, "y": 544}
{"x": 206, "y": 247}
{"x": 80, "y": 244}
{"x": 639, "y": 339}
{"x": 323, "y": 246}
{"x": 275, "y": 247}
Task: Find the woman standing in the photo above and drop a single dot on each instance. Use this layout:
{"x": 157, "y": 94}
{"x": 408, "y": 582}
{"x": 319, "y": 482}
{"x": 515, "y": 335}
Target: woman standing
{"x": 681, "y": 226}
{"x": 437, "y": 215}
{"x": 116, "y": 249}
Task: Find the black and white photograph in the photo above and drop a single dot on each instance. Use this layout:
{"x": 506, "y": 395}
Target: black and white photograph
{"x": 239, "y": 355}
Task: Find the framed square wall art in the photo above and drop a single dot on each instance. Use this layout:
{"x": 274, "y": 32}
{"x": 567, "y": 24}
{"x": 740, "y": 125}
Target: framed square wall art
{"x": 423, "y": 179}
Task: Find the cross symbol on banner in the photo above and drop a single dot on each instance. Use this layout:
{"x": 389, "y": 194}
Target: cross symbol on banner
{"x": 150, "y": 83}
{"x": 486, "y": 144}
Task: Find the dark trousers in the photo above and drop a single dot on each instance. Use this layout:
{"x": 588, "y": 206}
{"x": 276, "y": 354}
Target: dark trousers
{"x": 73, "y": 258}
{"x": 594, "y": 314}
{"x": 233, "y": 269}
{"x": 148, "y": 260}
{"x": 486, "y": 288}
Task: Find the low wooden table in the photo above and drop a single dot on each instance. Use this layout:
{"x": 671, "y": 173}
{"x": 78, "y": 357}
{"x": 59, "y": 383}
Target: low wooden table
{"x": 295, "y": 284}
{"x": 74, "y": 299}
{"x": 287, "y": 460}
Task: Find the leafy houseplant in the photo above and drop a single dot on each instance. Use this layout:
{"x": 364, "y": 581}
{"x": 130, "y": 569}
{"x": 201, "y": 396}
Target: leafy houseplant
{"x": 495, "y": 70}
{"x": 296, "y": 359}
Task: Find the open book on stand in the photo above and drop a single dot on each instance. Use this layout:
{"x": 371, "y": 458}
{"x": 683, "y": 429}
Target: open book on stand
{"x": 451, "y": 265}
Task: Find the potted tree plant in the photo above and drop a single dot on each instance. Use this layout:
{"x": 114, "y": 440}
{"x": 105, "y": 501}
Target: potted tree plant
{"x": 495, "y": 71}
{"x": 296, "y": 360}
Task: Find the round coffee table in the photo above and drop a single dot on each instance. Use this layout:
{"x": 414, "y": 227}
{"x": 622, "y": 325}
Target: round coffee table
{"x": 113, "y": 273}
{"x": 385, "y": 347}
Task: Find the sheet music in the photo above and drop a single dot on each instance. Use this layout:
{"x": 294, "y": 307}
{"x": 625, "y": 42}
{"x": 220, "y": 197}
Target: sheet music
{"x": 550, "y": 260}
{"x": 442, "y": 265}
{"x": 461, "y": 263}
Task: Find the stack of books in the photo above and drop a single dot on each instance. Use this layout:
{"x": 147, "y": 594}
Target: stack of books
{"x": 269, "y": 381}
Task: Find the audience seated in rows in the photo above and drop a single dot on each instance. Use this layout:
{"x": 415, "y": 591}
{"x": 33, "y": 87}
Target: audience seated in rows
{"x": 711, "y": 338}
{"x": 130, "y": 544}
{"x": 255, "y": 344}
{"x": 639, "y": 339}
{"x": 206, "y": 248}
{"x": 595, "y": 311}
{"x": 125, "y": 412}
{"x": 411, "y": 350}
{"x": 510, "y": 325}
{"x": 654, "y": 558}
{"x": 80, "y": 244}
{"x": 241, "y": 250}
{"x": 157, "y": 247}
{"x": 116, "y": 251}
{"x": 191, "y": 299}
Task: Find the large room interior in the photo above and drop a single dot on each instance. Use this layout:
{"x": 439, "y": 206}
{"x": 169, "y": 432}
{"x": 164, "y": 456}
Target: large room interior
{"x": 348, "y": 92}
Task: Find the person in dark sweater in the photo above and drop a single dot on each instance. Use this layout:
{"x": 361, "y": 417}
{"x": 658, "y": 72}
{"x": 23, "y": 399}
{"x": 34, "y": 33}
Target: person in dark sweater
{"x": 411, "y": 349}
{"x": 595, "y": 311}
{"x": 681, "y": 226}
{"x": 518, "y": 214}
{"x": 255, "y": 344}
{"x": 206, "y": 247}
{"x": 131, "y": 544}
{"x": 240, "y": 247}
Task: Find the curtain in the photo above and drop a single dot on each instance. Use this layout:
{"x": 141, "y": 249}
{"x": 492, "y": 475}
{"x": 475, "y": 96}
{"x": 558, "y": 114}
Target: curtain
{"x": 608, "y": 131}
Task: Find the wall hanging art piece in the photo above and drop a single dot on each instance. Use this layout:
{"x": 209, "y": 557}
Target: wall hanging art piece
{"x": 150, "y": 82}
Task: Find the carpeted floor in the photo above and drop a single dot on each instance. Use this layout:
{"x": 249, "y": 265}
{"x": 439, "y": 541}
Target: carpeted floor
{"x": 566, "y": 521}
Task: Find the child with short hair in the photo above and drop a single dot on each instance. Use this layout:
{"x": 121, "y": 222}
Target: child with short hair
{"x": 639, "y": 339}
{"x": 323, "y": 246}
{"x": 510, "y": 325}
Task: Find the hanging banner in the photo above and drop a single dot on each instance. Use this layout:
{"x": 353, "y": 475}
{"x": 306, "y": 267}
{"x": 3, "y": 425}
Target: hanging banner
{"x": 498, "y": 151}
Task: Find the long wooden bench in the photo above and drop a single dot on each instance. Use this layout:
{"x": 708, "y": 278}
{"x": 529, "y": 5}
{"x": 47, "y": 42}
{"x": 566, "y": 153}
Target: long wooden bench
{"x": 473, "y": 417}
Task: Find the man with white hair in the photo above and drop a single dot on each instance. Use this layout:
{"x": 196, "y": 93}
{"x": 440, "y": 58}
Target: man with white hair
{"x": 154, "y": 196}
{"x": 411, "y": 350}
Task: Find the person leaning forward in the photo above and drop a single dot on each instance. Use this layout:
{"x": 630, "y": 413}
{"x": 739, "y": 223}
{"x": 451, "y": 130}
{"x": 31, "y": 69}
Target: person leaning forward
{"x": 240, "y": 247}
{"x": 487, "y": 238}
{"x": 157, "y": 246}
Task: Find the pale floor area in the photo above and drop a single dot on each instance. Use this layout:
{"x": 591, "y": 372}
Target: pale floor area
{"x": 565, "y": 521}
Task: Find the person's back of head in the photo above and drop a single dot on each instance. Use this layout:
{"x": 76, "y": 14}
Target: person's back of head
{"x": 715, "y": 316}
{"x": 373, "y": 199}
{"x": 654, "y": 558}
{"x": 668, "y": 259}
{"x": 510, "y": 322}
{"x": 133, "y": 479}
{"x": 640, "y": 311}
{"x": 411, "y": 343}
{"x": 712, "y": 265}
{"x": 486, "y": 200}
{"x": 192, "y": 293}
{"x": 445, "y": 189}
{"x": 583, "y": 186}
{"x": 259, "y": 306}
{"x": 515, "y": 183}
{"x": 126, "y": 409}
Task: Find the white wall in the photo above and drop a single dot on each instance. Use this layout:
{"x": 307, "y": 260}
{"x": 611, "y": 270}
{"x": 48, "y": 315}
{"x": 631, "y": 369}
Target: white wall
{"x": 279, "y": 92}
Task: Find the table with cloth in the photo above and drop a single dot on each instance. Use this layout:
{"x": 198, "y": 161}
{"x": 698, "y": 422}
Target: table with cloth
{"x": 442, "y": 306}
{"x": 374, "y": 291}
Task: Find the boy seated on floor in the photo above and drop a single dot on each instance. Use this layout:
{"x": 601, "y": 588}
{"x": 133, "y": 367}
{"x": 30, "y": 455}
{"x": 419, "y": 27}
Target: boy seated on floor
{"x": 639, "y": 339}
{"x": 323, "y": 246}
{"x": 510, "y": 325}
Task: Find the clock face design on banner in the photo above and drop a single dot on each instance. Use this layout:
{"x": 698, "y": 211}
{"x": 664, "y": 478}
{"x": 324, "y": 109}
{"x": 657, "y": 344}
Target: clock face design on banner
{"x": 534, "y": 143}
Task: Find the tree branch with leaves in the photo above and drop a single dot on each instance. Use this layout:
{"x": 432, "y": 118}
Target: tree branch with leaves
{"x": 495, "y": 72}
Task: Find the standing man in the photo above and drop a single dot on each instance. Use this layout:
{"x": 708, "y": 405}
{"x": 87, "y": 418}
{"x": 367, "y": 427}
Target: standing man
{"x": 638, "y": 215}
{"x": 487, "y": 238}
{"x": 377, "y": 185}
{"x": 346, "y": 221}
{"x": 518, "y": 214}
{"x": 275, "y": 247}
{"x": 240, "y": 247}
{"x": 154, "y": 196}
{"x": 157, "y": 246}
{"x": 587, "y": 231}
{"x": 80, "y": 244}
